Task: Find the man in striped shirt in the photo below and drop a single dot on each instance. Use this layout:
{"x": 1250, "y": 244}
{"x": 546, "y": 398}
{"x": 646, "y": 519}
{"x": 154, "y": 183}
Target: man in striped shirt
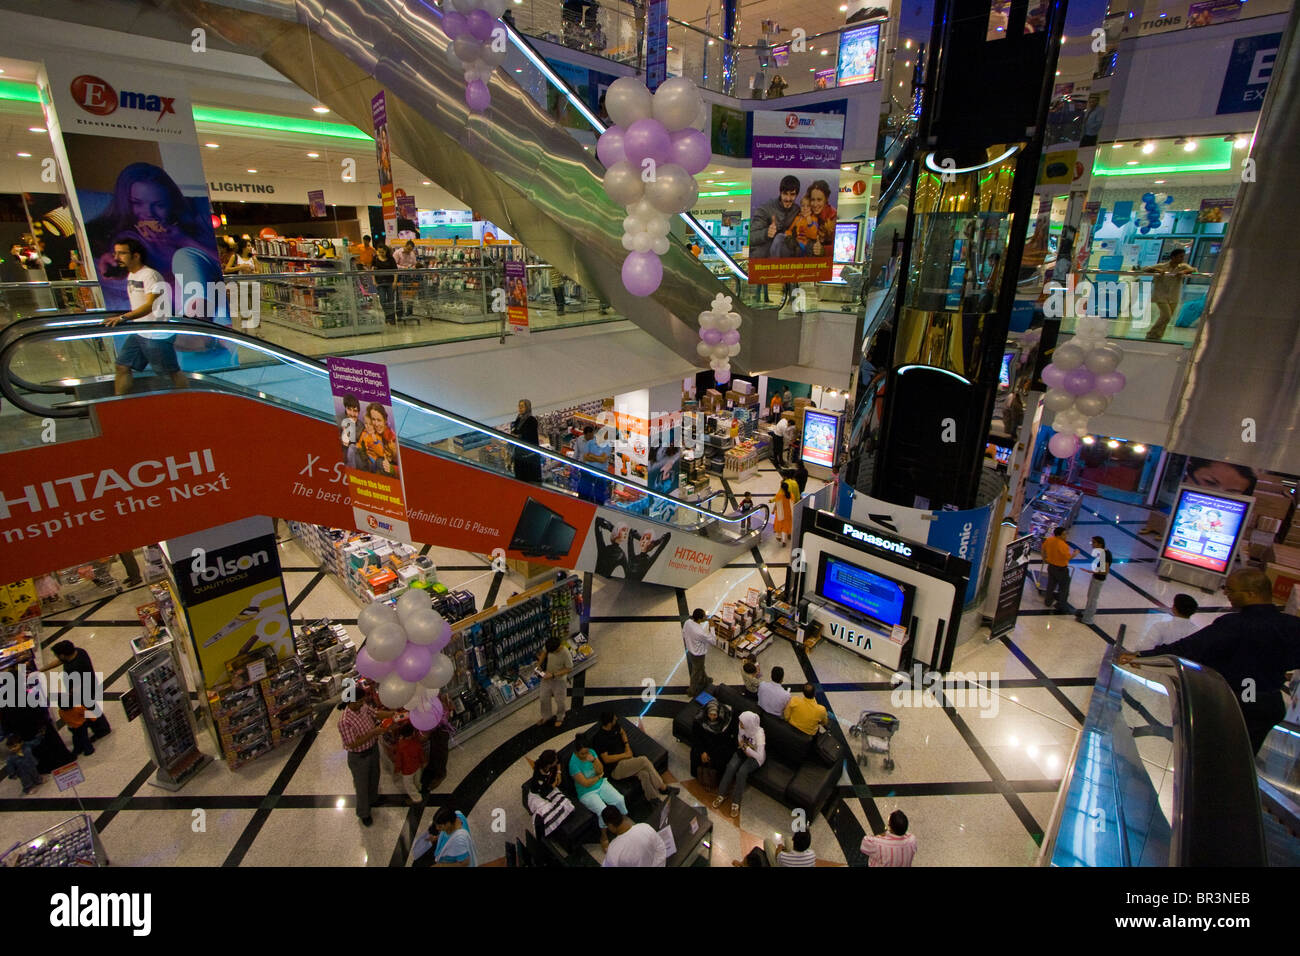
{"x": 894, "y": 847}
{"x": 360, "y": 729}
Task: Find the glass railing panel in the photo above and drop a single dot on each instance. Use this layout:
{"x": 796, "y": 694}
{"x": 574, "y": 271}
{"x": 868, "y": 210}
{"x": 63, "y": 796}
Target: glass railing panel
{"x": 1126, "y": 299}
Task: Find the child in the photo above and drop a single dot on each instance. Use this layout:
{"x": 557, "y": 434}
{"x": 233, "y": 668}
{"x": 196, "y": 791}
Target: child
{"x": 373, "y": 442}
{"x": 749, "y": 673}
{"x": 74, "y": 718}
{"x": 805, "y": 228}
{"x": 348, "y": 430}
{"x": 746, "y": 504}
{"x": 408, "y": 761}
{"x": 22, "y": 764}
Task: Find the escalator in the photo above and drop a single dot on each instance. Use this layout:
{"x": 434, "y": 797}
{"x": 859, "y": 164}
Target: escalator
{"x": 86, "y": 473}
{"x": 515, "y": 164}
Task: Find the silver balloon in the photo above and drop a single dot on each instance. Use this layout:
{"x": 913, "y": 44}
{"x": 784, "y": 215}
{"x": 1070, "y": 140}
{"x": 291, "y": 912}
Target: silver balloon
{"x": 1104, "y": 359}
{"x": 627, "y": 100}
{"x": 491, "y": 57}
{"x": 704, "y": 349}
{"x": 375, "y": 615}
{"x": 424, "y": 626}
{"x": 441, "y": 671}
{"x": 1058, "y": 400}
{"x": 641, "y": 242}
{"x": 494, "y": 7}
{"x": 670, "y": 192}
{"x": 623, "y": 184}
{"x": 395, "y": 691}
{"x": 660, "y": 246}
{"x": 676, "y": 103}
{"x": 1091, "y": 403}
{"x": 733, "y": 350}
{"x": 467, "y": 49}
{"x": 629, "y": 241}
{"x": 1068, "y": 356}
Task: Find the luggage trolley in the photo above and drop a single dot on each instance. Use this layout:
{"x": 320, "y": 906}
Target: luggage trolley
{"x": 874, "y": 731}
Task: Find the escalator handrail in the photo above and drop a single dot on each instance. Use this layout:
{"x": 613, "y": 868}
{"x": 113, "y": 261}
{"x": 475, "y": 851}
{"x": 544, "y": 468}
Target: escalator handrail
{"x": 39, "y": 328}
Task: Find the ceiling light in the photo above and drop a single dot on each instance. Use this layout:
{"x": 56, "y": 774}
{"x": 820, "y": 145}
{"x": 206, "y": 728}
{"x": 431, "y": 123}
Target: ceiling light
{"x": 907, "y": 44}
{"x": 252, "y": 170}
{"x": 670, "y": 49}
{"x": 425, "y": 182}
{"x": 710, "y": 43}
{"x": 1031, "y": 750}
{"x": 1189, "y": 146}
{"x": 1132, "y": 162}
{"x": 36, "y": 129}
{"x": 25, "y": 155}
{"x": 1112, "y": 444}
{"x": 519, "y": 69}
{"x": 844, "y": 8}
{"x": 212, "y": 145}
{"x": 320, "y": 109}
{"x": 1088, "y": 440}
{"x": 313, "y": 155}
{"x": 1159, "y": 182}
{"x": 1148, "y": 148}
{"x": 1116, "y": 145}
{"x": 825, "y": 52}
{"x": 1139, "y": 449}
{"x": 708, "y": 182}
{"x": 719, "y": 170}
{"x": 1240, "y": 142}
{"x": 1, "y": 71}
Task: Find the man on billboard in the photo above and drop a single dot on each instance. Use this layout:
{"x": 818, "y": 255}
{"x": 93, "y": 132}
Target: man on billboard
{"x": 772, "y": 220}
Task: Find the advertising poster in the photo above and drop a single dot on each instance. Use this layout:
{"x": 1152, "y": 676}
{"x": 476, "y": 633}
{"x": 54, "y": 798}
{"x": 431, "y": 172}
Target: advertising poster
{"x": 1204, "y": 530}
{"x": 824, "y": 79}
{"x": 233, "y": 593}
{"x": 858, "y": 50}
{"x": 820, "y": 438}
{"x": 516, "y": 298}
{"x": 370, "y": 451}
{"x": 1015, "y": 564}
{"x": 316, "y": 203}
{"x": 1250, "y": 67}
{"x": 1212, "y": 12}
{"x": 796, "y": 178}
{"x": 384, "y": 158}
{"x": 728, "y": 131}
{"x": 1215, "y": 210}
{"x": 128, "y": 148}
{"x": 626, "y": 546}
{"x": 406, "y": 208}
{"x": 656, "y": 43}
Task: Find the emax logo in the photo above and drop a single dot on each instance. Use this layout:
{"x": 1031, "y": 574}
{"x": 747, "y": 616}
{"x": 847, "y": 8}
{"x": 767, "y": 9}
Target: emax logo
{"x": 794, "y": 121}
{"x": 98, "y": 97}
{"x": 376, "y": 523}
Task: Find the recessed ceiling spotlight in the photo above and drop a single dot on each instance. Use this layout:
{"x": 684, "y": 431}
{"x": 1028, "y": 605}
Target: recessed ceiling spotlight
{"x": 1148, "y": 148}
{"x": 425, "y": 182}
{"x": 25, "y": 155}
{"x": 36, "y": 129}
{"x": 320, "y": 109}
{"x": 1112, "y": 444}
{"x": 252, "y": 170}
{"x": 212, "y": 145}
{"x": 1189, "y": 146}
{"x": 313, "y": 155}
{"x": 1240, "y": 142}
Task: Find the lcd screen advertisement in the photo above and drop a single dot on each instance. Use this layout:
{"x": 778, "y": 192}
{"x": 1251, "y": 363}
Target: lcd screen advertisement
{"x": 1205, "y": 529}
{"x": 821, "y": 435}
{"x": 858, "y": 49}
{"x": 882, "y": 599}
{"x": 846, "y": 241}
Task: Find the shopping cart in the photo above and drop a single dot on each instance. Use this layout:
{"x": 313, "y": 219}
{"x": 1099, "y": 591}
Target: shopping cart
{"x": 76, "y": 585}
{"x": 874, "y": 731}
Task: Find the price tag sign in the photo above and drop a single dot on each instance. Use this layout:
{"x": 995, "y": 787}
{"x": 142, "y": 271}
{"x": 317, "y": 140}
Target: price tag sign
{"x": 256, "y": 671}
{"x": 68, "y": 776}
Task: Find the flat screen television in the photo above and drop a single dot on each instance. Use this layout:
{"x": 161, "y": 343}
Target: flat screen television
{"x": 821, "y": 437}
{"x": 876, "y": 597}
{"x": 1204, "y": 529}
{"x": 857, "y": 58}
{"x": 846, "y": 241}
{"x": 1008, "y": 367}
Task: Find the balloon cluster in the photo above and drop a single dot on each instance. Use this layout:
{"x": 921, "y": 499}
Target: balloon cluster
{"x": 651, "y": 155}
{"x": 1081, "y": 380}
{"x": 719, "y": 337}
{"x": 402, "y": 651}
{"x": 476, "y": 47}
{"x": 1151, "y": 203}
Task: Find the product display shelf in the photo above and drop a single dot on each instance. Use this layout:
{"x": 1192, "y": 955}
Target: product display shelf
{"x": 738, "y": 628}
{"x": 20, "y": 625}
{"x": 1056, "y": 506}
{"x": 164, "y": 700}
{"x": 74, "y": 842}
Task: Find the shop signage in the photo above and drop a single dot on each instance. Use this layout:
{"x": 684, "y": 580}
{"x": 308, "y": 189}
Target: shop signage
{"x": 131, "y": 704}
{"x": 265, "y": 188}
{"x": 369, "y": 449}
{"x": 1015, "y": 564}
{"x": 384, "y": 160}
{"x": 517, "y": 298}
{"x": 316, "y": 203}
{"x": 897, "y": 547}
{"x": 887, "y": 649}
{"x": 1250, "y": 67}
{"x": 68, "y": 776}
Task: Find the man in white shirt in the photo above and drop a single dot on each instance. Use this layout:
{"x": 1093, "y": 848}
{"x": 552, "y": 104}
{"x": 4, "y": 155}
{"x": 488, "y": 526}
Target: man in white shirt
{"x": 636, "y": 844}
{"x": 148, "y": 349}
{"x": 1171, "y": 628}
{"x": 695, "y": 635}
{"x": 894, "y": 847}
{"x": 772, "y": 697}
{"x": 777, "y": 432}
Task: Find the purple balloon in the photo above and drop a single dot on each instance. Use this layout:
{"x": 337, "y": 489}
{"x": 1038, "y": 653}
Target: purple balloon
{"x": 414, "y": 661}
{"x": 477, "y": 96}
{"x": 480, "y": 25}
{"x": 1063, "y": 445}
{"x": 372, "y": 669}
{"x": 642, "y": 273}
{"x": 454, "y": 24}
{"x": 1054, "y": 376}
{"x": 711, "y": 336}
{"x": 1078, "y": 381}
{"x": 722, "y": 377}
{"x": 647, "y": 139}
{"x": 731, "y": 337}
{"x": 690, "y": 150}
{"x": 1108, "y": 383}
{"x": 609, "y": 148}
{"x": 426, "y": 718}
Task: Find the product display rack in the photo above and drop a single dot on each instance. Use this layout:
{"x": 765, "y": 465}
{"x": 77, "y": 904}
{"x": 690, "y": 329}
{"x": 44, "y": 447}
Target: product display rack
{"x": 1056, "y": 506}
{"x": 74, "y": 842}
{"x": 169, "y": 721}
{"x": 737, "y": 628}
{"x": 324, "y": 302}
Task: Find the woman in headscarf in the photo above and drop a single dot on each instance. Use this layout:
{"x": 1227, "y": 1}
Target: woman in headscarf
{"x": 528, "y": 466}
{"x": 713, "y": 744}
{"x": 751, "y": 751}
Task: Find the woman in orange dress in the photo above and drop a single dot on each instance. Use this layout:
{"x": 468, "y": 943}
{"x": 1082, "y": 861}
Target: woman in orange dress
{"x": 783, "y": 506}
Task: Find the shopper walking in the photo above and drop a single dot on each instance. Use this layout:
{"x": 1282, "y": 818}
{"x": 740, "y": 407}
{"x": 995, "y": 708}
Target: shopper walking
{"x": 83, "y": 686}
{"x": 615, "y": 753}
{"x": 777, "y": 433}
{"x": 528, "y": 465}
{"x": 439, "y": 743}
{"x": 407, "y": 260}
{"x": 695, "y": 635}
{"x": 1252, "y": 648}
{"x": 783, "y": 507}
{"x": 556, "y": 663}
{"x": 448, "y": 841}
{"x": 21, "y": 764}
{"x": 1172, "y": 627}
{"x": 894, "y": 847}
{"x": 1056, "y": 552}
{"x": 800, "y": 476}
{"x": 557, "y": 289}
{"x": 359, "y": 727}
{"x": 1101, "y": 561}
{"x": 385, "y": 276}
{"x": 750, "y": 754}
{"x": 1167, "y": 289}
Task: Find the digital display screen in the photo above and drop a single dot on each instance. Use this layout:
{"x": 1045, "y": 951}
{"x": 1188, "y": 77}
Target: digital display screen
{"x": 846, "y": 241}
{"x": 882, "y": 599}
{"x": 821, "y": 434}
{"x": 1004, "y": 373}
{"x": 781, "y": 54}
{"x": 1204, "y": 530}
{"x": 857, "y": 60}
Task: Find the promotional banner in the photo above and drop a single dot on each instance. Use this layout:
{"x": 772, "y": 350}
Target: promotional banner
{"x": 656, "y": 44}
{"x": 517, "y": 298}
{"x": 1015, "y": 564}
{"x": 371, "y": 454}
{"x": 1215, "y": 210}
{"x": 858, "y": 52}
{"x": 156, "y": 472}
{"x": 1250, "y": 67}
{"x": 796, "y": 177}
{"x": 229, "y": 583}
{"x": 128, "y": 149}
{"x": 384, "y": 158}
{"x": 625, "y": 546}
{"x": 1212, "y": 12}
{"x": 316, "y": 202}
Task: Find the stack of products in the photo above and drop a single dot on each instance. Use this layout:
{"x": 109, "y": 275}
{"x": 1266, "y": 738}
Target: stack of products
{"x": 326, "y": 656}
{"x": 370, "y": 566}
{"x": 242, "y": 726}
{"x": 1058, "y": 506}
{"x": 20, "y": 624}
{"x": 741, "y": 461}
{"x": 738, "y": 628}
{"x": 288, "y": 700}
{"x": 265, "y": 703}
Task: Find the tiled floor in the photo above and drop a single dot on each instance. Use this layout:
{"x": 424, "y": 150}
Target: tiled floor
{"x": 977, "y": 782}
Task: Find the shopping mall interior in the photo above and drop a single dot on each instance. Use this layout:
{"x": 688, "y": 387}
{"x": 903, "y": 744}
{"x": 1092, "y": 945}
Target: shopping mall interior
{"x": 842, "y": 450}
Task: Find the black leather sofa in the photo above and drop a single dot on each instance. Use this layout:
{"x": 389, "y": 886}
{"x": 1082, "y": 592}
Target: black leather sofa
{"x": 800, "y": 770}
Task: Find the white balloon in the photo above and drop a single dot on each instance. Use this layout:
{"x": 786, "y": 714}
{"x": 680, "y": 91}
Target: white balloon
{"x": 720, "y": 351}
{"x": 623, "y": 183}
{"x": 395, "y": 691}
{"x": 658, "y": 225}
{"x": 375, "y": 615}
{"x": 386, "y": 642}
{"x": 443, "y": 669}
{"x": 1068, "y": 356}
{"x": 670, "y": 191}
{"x": 1082, "y": 430}
{"x": 1092, "y": 403}
{"x": 708, "y": 320}
{"x": 733, "y": 349}
{"x": 627, "y": 100}
{"x": 491, "y": 57}
{"x": 629, "y": 241}
{"x": 631, "y": 224}
{"x": 467, "y": 49}
{"x": 642, "y": 209}
{"x": 704, "y": 349}
{"x": 676, "y": 103}
{"x": 427, "y": 685}
{"x": 641, "y": 242}
{"x": 733, "y": 320}
{"x": 494, "y": 7}
{"x": 660, "y": 245}
{"x": 424, "y": 626}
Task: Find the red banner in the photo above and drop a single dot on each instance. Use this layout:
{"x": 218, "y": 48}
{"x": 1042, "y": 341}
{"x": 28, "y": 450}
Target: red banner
{"x": 157, "y": 471}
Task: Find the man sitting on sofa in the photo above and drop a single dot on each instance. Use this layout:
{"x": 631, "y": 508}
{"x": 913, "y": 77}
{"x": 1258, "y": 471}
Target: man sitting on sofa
{"x": 804, "y": 713}
{"x": 772, "y": 697}
{"x": 615, "y": 753}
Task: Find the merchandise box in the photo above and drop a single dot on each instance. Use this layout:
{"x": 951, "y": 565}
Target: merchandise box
{"x": 1271, "y": 504}
{"x": 744, "y": 387}
{"x": 1283, "y": 555}
{"x": 1283, "y": 578}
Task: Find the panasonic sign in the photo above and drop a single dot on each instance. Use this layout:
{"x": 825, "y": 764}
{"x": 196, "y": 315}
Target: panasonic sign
{"x": 868, "y": 538}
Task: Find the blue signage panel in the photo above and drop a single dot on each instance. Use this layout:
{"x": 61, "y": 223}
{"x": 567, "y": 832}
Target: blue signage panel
{"x": 1249, "y": 69}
